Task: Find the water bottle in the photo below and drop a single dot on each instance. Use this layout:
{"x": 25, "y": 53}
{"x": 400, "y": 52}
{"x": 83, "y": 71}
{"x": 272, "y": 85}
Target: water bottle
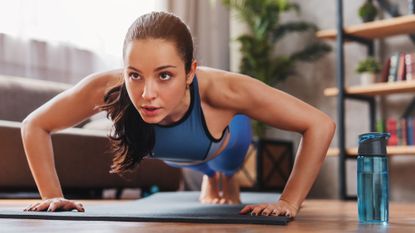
{"x": 373, "y": 178}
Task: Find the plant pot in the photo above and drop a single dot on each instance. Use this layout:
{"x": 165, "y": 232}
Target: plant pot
{"x": 367, "y": 78}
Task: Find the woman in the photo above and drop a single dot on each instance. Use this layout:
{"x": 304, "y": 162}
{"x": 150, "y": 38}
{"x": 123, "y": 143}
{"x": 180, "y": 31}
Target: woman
{"x": 164, "y": 106}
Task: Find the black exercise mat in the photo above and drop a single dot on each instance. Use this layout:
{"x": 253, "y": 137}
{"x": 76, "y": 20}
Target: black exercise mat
{"x": 162, "y": 207}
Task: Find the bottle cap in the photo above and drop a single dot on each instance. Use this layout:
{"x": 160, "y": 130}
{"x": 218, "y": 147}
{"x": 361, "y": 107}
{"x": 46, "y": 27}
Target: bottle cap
{"x": 373, "y": 144}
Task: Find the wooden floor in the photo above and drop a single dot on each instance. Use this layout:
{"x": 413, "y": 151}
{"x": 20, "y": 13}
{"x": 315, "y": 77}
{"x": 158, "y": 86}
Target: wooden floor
{"x": 320, "y": 216}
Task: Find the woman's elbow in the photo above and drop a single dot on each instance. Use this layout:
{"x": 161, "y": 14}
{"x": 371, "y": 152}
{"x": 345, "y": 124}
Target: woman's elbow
{"x": 331, "y": 126}
{"x": 327, "y": 127}
{"x": 323, "y": 125}
{"x": 29, "y": 125}
{"x": 25, "y": 127}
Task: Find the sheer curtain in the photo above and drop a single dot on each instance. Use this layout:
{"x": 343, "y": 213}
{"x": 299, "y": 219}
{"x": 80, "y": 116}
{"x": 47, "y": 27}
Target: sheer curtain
{"x": 209, "y": 24}
{"x": 65, "y": 40}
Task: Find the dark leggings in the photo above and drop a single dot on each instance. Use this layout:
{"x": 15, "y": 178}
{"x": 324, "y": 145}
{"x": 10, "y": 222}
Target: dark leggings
{"x": 232, "y": 157}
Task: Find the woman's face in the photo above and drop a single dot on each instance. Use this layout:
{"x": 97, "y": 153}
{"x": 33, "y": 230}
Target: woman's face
{"x": 156, "y": 80}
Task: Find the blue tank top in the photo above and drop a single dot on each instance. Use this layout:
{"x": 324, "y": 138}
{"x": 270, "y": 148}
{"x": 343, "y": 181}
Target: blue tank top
{"x": 187, "y": 140}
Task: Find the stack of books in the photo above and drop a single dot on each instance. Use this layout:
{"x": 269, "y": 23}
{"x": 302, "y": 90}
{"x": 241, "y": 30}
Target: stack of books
{"x": 399, "y": 67}
{"x": 402, "y": 131}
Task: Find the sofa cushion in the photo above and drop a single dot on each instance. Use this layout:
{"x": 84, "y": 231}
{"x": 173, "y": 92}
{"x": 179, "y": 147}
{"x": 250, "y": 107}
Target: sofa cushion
{"x": 20, "y": 96}
{"x": 82, "y": 158}
{"x": 99, "y": 124}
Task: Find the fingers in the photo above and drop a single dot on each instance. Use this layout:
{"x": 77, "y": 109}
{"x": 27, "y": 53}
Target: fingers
{"x": 79, "y": 207}
{"x": 42, "y": 206}
{"x": 55, "y": 204}
{"x": 246, "y": 209}
{"x": 39, "y": 206}
{"x": 268, "y": 210}
{"x": 70, "y": 205}
{"x": 258, "y": 210}
{"x": 254, "y": 209}
{"x": 31, "y": 207}
{"x": 281, "y": 212}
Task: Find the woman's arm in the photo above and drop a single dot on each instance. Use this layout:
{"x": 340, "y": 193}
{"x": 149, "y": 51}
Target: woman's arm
{"x": 64, "y": 110}
{"x": 251, "y": 97}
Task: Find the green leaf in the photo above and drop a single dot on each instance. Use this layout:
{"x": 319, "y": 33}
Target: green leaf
{"x": 282, "y": 67}
{"x": 370, "y": 64}
{"x": 290, "y": 27}
{"x": 312, "y": 52}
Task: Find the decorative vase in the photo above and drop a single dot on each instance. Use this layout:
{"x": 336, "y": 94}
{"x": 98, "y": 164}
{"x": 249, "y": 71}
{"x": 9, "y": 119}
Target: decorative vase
{"x": 367, "y": 78}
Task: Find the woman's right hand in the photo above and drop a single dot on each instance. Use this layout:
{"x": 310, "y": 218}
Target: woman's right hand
{"x": 55, "y": 204}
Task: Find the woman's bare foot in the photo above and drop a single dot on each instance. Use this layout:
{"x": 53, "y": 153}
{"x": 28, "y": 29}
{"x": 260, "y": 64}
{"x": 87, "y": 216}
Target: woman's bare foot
{"x": 209, "y": 193}
{"x": 230, "y": 190}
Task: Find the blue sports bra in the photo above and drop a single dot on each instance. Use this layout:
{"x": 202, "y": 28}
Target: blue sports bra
{"x": 187, "y": 140}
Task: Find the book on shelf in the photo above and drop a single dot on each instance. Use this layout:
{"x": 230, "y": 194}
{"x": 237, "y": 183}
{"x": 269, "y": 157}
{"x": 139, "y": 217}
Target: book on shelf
{"x": 411, "y": 130}
{"x": 400, "y": 73}
{"x": 393, "y": 68}
{"x": 385, "y": 71}
{"x": 410, "y": 66}
{"x": 402, "y": 131}
{"x": 392, "y": 128}
{"x": 380, "y": 126}
{"x": 399, "y": 67}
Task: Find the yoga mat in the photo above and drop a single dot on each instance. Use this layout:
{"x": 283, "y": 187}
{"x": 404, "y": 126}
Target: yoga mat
{"x": 162, "y": 207}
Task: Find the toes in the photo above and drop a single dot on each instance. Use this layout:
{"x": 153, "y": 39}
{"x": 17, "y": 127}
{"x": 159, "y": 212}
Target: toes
{"x": 221, "y": 201}
{"x": 215, "y": 200}
{"x": 210, "y": 200}
{"x": 229, "y": 201}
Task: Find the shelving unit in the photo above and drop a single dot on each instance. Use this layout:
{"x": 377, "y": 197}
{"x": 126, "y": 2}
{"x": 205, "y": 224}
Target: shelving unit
{"x": 365, "y": 34}
{"x": 392, "y": 150}
{"x": 375, "y": 89}
{"x": 376, "y": 29}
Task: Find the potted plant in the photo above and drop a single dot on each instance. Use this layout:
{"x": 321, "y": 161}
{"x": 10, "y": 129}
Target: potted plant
{"x": 368, "y": 11}
{"x": 262, "y": 18}
{"x": 368, "y": 68}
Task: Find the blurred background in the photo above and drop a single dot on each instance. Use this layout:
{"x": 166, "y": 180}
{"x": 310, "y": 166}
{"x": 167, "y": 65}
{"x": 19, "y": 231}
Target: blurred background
{"x": 65, "y": 40}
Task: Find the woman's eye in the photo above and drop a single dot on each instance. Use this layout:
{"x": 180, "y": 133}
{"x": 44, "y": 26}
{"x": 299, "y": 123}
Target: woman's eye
{"x": 134, "y": 75}
{"x": 165, "y": 76}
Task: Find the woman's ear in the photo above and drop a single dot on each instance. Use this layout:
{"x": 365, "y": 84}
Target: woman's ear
{"x": 192, "y": 72}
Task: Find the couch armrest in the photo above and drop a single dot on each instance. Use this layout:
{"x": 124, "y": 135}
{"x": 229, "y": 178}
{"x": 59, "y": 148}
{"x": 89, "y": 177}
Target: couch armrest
{"x": 82, "y": 159}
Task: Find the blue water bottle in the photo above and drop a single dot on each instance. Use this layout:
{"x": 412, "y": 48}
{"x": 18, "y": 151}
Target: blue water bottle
{"x": 373, "y": 178}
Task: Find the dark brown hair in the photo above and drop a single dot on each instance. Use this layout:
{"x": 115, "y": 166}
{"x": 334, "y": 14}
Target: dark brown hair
{"x": 132, "y": 138}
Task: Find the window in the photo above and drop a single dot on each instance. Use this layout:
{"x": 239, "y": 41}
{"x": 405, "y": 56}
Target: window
{"x": 94, "y": 25}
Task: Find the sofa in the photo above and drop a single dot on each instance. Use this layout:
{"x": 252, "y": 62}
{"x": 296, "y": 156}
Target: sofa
{"x": 82, "y": 153}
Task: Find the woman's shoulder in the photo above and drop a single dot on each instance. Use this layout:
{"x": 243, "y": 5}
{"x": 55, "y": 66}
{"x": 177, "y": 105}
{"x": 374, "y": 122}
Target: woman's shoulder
{"x": 216, "y": 86}
{"x": 101, "y": 81}
{"x": 212, "y": 76}
{"x": 96, "y": 85}
{"x": 106, "y": 80}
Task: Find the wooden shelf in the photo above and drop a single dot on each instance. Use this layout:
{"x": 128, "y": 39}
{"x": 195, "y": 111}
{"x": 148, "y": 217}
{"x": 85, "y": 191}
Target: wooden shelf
{"x": 375, "y": 89}
{"x": 375, "y": 29}
{"x": 392, "y": 150}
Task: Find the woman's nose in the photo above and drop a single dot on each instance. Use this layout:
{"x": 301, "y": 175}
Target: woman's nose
{"x": 149, "y": 91}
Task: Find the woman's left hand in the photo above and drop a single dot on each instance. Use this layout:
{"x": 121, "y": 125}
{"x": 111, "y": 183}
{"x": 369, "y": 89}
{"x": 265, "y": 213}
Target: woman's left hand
{"x": 282, "y": 207}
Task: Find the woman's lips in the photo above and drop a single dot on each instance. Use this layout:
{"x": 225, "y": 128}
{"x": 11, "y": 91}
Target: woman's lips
{"x": 150, "y": 111}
